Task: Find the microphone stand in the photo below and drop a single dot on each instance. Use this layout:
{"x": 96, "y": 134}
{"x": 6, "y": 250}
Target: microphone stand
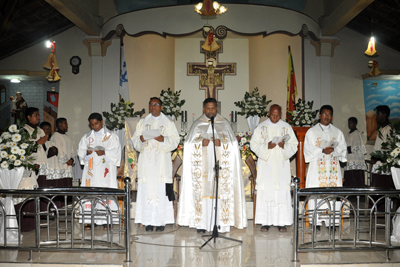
{"x": 215, "y": 233}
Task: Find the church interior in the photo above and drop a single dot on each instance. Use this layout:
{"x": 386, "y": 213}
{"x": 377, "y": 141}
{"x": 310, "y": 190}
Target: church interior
{"x": 162, "y": 43}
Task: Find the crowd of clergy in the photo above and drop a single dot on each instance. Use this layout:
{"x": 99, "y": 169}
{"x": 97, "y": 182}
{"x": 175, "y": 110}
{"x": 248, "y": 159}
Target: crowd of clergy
{"x": 209, "y": 140}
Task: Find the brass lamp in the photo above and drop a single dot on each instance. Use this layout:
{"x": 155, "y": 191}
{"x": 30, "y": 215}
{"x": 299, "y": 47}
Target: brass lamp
{"x": 209, "y": 8}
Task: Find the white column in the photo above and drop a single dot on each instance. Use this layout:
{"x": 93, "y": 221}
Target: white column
{"x": 97, "y": 84}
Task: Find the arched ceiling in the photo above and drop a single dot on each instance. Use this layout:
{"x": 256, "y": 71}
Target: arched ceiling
{"x": 27, "y": 22}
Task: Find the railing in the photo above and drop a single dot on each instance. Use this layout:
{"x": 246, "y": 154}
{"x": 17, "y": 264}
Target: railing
{"x": 366, "y": 228}
{"x": 89, "y": 204}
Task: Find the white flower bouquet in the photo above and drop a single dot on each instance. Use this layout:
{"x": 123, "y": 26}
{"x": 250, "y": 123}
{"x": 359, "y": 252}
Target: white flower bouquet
{"x": 243, "y": 139}
{"x": 16, "y": 148}
{"x": 253, "y": 104}
{"x": 171, "y": 103}
{"x": 119, "y": 111}
{"x": 390, "y": 153}
{"x": 303, "y": 115}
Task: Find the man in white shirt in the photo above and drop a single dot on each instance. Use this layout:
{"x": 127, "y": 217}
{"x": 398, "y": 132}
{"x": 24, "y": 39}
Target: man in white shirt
{"x": 324, "y": 147}
{"x": 155, "y": 137}
{"x": 274, "y": 143}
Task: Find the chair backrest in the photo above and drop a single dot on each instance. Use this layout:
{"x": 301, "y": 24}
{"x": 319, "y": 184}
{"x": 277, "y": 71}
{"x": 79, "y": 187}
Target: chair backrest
{"x": 252, "y": 166}
{"x": 176, "y": 163}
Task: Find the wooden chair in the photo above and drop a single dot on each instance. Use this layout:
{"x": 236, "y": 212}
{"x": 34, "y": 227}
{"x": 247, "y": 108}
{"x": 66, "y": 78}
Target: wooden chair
{"x": 176, "y": 163}
{"x": 251, "y": 163}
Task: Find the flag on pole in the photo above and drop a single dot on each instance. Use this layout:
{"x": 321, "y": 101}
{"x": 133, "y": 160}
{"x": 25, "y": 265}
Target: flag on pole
{"x": 291, "y": 86}
{"x": 123, "y": 79}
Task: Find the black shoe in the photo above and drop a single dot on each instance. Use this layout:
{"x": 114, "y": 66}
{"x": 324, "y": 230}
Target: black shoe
{"x": 160, "y": 228}
{"x": 201, "y": 231}
{"x": 149, "y": 228}
{"x": 318, "y": 228}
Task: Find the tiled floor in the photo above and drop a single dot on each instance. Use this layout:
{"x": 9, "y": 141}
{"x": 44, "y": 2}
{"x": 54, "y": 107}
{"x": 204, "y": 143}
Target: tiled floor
{"x": 179, "y": 246}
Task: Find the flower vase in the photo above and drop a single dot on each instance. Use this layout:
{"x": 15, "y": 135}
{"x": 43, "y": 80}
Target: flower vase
{"x": 396, "y": 177}
{"x": 253, "y": 121}
{"x": 171, "y": 117}
{"x": 10, "y": 179}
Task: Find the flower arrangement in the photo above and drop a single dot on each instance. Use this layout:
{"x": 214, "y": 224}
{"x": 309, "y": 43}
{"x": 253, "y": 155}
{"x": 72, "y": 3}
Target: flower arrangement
{"x": 253, "y": 104}
{"x": 303, "y": 115}
{"x": 119, "y": 111}
{"x": 390, "y": 156}
{"x": 16, "y": 148}
{"x": 243, "y": 139}
{"x": 171, "y": 103}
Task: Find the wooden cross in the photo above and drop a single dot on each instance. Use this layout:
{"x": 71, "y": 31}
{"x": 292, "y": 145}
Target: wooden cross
{"x": 211, "y": 73}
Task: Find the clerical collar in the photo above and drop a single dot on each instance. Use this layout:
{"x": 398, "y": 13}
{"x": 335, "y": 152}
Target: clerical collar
{"x": 99, "y": 132}
{"x": 323, "y": 127}
{"x": 156, "y": 118}
{"x": 30, "y": 124}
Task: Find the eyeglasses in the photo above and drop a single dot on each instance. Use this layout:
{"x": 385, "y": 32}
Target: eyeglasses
{"x": 154, "y": 104}
{"x": 326, "y": 115}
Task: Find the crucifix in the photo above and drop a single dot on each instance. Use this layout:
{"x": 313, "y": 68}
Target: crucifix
{"x": 211, "y": 73}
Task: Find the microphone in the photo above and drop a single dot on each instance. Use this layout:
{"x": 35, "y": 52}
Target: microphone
{"x": 212, "y": 120}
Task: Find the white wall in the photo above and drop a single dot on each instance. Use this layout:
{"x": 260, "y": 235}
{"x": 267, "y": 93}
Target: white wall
{"x": 75, "y": 90}
{"x": 234, "y": 50}
{"x": 347, "y": 66}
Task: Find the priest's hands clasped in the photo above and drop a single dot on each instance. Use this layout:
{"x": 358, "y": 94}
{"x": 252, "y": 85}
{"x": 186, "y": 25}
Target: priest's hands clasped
{"x": 98, "y": 152}
{"x": 327, "y": 150}
{"x": 272, "y": 145}
{"x": 207, "y": 141}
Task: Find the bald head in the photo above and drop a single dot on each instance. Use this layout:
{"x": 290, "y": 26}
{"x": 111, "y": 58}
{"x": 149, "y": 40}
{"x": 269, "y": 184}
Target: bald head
{"x": 275, "y": 112}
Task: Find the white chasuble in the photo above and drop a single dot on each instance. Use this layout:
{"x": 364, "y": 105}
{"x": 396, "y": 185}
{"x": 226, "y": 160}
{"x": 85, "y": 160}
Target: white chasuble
{"x": 100, "y": 171}
{"x": 324, "y": 170}
{"x": 154, "y": 171}
{"x": 274, "y": 205}
{"x": 197, "y": 196}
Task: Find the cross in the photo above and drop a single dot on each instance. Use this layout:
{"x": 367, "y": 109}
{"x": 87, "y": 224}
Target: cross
{"x": 211, "y": 73}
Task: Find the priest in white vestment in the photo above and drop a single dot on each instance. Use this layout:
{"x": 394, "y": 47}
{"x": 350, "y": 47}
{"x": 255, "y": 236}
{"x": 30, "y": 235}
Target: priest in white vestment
{"x": 100, "y": 152}
{"x": 324, "y": 147}
{"x": 155, "y": 137}
{"x": 274, "y": 143}
{"x": 197, "y": 196}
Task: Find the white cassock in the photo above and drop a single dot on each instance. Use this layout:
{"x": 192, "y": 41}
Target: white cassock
{"x": 197, "y": 196}
{"x": 274, "y": 204}
{"x": 100, "y": 171}
{"x": 65, "y": 152}
{"x": 154, "y": 171}
{"x": 324, "y": 170}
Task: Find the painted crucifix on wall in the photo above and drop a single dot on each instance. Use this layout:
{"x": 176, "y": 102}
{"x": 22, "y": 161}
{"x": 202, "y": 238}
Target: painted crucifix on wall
{"x": 211, "y": 73}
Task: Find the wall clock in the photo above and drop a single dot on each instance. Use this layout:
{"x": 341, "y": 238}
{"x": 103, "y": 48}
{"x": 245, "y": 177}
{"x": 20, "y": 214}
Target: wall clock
{"x": 75, "y": 62}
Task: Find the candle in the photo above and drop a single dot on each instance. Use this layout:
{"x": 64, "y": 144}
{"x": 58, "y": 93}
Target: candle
{"x": 233, "y": 116}
{"x": 184, "y": 116}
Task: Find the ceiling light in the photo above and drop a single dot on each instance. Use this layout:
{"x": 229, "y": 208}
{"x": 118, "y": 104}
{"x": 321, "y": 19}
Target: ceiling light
{"x": 48, "y": 44}
{"x": 15, "y": 81}
{"x": 209, "y": 8}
